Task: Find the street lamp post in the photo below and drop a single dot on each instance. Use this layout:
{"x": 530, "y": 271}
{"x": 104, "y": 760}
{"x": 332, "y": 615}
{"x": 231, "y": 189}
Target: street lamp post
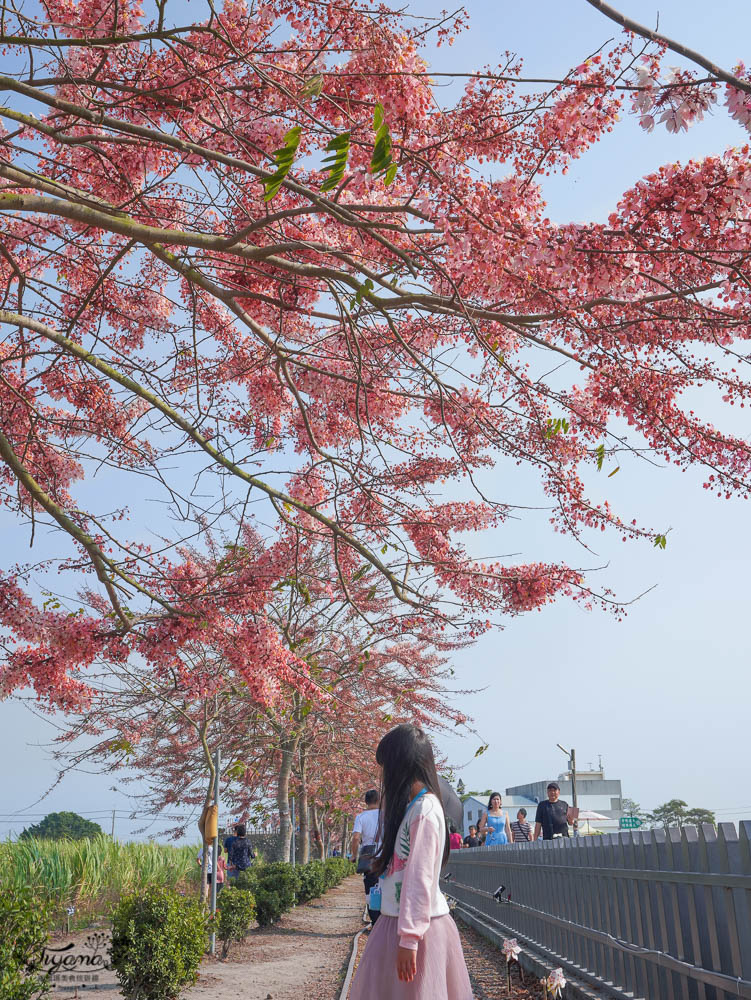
{"x": 572, "y": 767}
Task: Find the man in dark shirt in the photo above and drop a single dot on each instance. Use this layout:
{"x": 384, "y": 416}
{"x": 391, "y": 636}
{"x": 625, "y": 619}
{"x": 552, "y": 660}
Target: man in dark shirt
{"x": 552, "y": 817}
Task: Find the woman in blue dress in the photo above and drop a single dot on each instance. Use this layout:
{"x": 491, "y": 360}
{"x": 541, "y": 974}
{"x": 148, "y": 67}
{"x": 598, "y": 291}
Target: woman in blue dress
{"x": 495, "y": 821}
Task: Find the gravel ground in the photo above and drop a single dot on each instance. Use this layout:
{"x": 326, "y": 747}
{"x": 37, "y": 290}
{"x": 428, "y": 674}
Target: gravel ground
{"x": 487, "y": 970}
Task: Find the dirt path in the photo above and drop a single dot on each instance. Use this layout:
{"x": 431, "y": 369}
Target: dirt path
{"x": 303, "y": 957}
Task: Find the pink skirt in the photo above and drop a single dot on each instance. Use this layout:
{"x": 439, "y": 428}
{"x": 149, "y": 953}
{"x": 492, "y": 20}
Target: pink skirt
{"x": 441, "y": 970}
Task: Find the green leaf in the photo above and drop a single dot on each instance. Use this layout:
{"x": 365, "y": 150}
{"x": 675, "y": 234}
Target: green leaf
{"x": 336, "y": 162}
{"x": 660, "y": 541}
{"x": 284, "y": 157}
{"x": 600, "y": 456}
{"x": 371, "y": 593}
{"x": 362, "y": 291}
{"x": 122, "y": 746}
{"x": 382, "y": 162}
{"x": 313, "y": 86}
{"x": 236, "y": 771}
{"x": 611, "y": 474}
{"x": 481, "y": 750}
{"x": 361, "y": 572}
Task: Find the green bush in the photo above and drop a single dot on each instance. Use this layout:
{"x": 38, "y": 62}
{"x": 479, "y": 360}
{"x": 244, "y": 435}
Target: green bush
{"x": 247, "y": 880}
{"x": 276, "y": 892}
{"x": 158, "y": 940}
{"x": 312, "y": 881}
{"x": 25, "y": 922}
{"x": 338, "y": 869}
{"x": 276, "y": 887}
{"x": 236, "y": 911}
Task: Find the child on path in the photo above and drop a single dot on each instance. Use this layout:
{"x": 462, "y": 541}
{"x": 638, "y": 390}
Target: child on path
{"x": 220, "y": 864}
{"x": 413, "y": 951}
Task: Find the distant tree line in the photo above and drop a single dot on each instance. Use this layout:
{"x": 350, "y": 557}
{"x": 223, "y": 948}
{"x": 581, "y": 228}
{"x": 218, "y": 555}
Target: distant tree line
{"x": 675, "y": 812}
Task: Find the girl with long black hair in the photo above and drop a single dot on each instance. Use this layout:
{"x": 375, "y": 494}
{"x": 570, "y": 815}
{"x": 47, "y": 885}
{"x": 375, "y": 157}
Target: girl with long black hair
{"x": 413, "y": 951}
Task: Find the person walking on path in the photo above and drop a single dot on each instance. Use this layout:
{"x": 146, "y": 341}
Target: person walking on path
{"x": 239, "y": 853}
{"x": 520, "y": 828}
{"x": 553, "y": 815}
{"x": 495, "y": 821}
{"x": 414, "y": 951}
{"x": 365, "y": 843}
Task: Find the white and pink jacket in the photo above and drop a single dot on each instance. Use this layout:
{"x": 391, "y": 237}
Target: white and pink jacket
{"x": 409, "y": 888}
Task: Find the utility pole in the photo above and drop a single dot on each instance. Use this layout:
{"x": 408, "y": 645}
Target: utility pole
{"x": 113, "y": 825}
{"x": 574, "y": 800}
{"x": 572, "y": 768}
{"x": 215, "y": 852}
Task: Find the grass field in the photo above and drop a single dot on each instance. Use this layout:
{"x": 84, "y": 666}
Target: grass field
{"x": 91, "y": 875}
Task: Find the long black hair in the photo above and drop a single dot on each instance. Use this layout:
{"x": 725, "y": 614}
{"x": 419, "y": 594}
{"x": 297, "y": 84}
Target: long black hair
{"x": 406, "y": 756}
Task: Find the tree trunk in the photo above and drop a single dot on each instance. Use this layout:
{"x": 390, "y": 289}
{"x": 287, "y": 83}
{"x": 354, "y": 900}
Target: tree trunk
{"x": 325, "y": 833}
{"x": 317, "y": 838}
{"x": 345, "y": 835}
{"x": 289, "y": 749}
{"x": 303, "y": 803}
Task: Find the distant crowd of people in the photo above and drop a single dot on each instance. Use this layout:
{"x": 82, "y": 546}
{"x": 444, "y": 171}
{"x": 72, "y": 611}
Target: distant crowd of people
{"x": 552, "y": 820}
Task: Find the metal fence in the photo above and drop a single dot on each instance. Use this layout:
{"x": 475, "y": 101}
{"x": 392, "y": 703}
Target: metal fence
{"x": 663, "y": 915}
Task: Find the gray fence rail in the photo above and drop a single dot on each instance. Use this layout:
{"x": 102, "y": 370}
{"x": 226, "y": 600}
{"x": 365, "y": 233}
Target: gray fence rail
{"x": 663, "y": 915}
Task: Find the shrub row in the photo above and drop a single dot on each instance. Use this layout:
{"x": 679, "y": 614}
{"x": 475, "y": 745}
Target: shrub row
{"x": 158, "y": 934}
{"x": 278, "y": 886}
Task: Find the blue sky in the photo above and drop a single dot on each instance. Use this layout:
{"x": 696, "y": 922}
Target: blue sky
{"x": 662, "y": 695}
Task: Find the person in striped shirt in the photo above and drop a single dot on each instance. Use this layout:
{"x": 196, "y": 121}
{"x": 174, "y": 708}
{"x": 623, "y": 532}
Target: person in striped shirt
{"x": 520, "y": 828}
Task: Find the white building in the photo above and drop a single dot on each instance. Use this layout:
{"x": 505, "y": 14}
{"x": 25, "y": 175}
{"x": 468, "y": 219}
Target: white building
{"x": 595, "y": 793}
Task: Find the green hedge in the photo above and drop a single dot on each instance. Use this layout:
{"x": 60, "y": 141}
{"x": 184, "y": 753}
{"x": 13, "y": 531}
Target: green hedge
{"x": 236, "y": 911}
{"x": 25, "y": 924}
{"x": 278, "y": 886}
{"x": 158, "y": 940}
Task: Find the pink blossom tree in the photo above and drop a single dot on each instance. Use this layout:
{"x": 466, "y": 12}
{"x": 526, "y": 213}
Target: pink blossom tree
{"x": 257, "y": 276}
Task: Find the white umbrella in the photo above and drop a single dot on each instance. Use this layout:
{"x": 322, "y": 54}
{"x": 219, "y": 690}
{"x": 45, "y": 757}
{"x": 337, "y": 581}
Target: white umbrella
{"x": 589, "y": 814}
